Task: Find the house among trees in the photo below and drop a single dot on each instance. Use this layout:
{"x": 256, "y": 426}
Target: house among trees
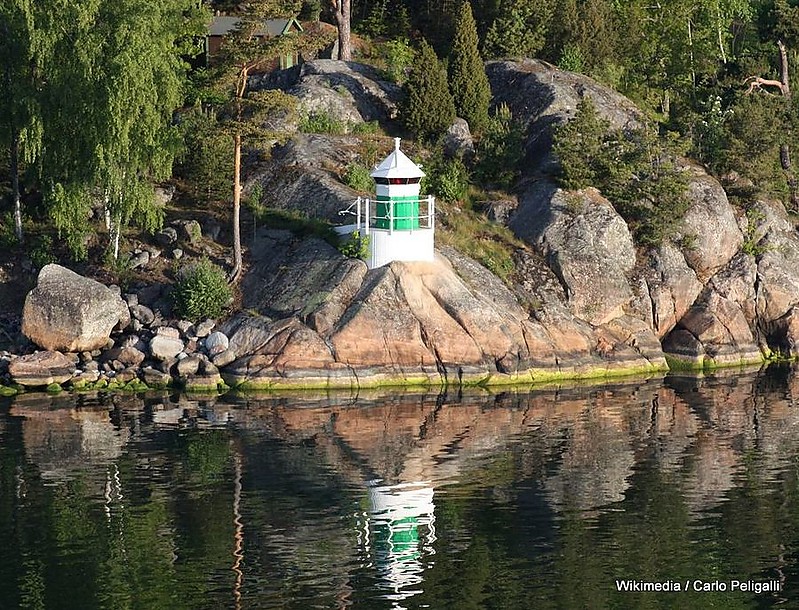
{"x": 221, "y": 26}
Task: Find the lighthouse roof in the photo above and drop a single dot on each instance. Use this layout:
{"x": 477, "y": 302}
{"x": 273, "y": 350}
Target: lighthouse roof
{"x": 397, "y": 165}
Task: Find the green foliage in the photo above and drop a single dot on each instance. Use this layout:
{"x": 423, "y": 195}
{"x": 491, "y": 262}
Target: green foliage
{"x": 322, "y": 122}
{"x": 755, "y": 130}
{"x": 519, "y": 29}
{"x": 357, "y": 177}
{"x": 635, "y": 170}
{"x": 752, "y": 240}
{"x": 201, "y": 291}
{"x": 472, "y": 234}
{"x": 429, "y": 108}
{"x": 398, "y": 57}
{"x": 41, "y": 251}
{"x": 447, "y": 179}
{"x": 571, "y": 59}
{"x": 355, "y": 246}
{"x": 367, "y": 128}
{"x": 500, "y": 150}
{"x": 206, "y": 161}
{"x": 467, "y": 78}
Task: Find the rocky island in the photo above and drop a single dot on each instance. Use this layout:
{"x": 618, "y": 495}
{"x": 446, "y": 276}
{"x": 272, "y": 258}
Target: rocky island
{"x": 582, "y": 300}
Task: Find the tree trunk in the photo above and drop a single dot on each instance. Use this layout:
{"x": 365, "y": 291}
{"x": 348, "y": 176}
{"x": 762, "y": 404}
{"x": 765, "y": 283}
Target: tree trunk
{"x": 341, "y": 10}
{"x": 15, "y": 190}
{"x": 237, "y": 258}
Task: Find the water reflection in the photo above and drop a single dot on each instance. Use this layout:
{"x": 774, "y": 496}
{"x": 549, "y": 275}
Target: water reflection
{"x": 405, "y": 500}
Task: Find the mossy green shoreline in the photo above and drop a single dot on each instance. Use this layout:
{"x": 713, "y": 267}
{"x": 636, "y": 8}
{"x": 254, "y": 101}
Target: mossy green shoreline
{"x": 531, "y": 378}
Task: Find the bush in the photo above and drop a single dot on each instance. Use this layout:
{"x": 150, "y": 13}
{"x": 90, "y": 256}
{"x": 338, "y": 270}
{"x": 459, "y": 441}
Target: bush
{"x": 448, "y": 179}
{"x": 357, "y": 177}
{"x": 500, "y": 150}
{"x": 201, "y": 291}
{"x": 398, "y": 56}
{"x": 320, "y": 122}
{"x": 356, "y": 246}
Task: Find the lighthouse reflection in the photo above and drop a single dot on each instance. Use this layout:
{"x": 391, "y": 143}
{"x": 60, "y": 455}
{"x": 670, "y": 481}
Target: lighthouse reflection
{"x": 399, "y": 531}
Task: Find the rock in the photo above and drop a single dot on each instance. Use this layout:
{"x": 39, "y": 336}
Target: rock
{"x": 177, "y": 254}
{"x": 139, "y": 260}
{"x": 190, "y": 231}
{"x": 41, "y": 369}
{"x": 167, "y": 331}
{"x": 164, "y": 194}
{"x": 222, "y": 359}
{"x": 68, "y": 312}
{"x": 216, "y": 343}
{"x": 165, "y": 347}
{"x": 541, "y": 96}
{"x": 709, "y": 225}
{"x": 185, "y": 327}
{"x": 671, "y": 287}
{"x": 126, "y": 375}
{"x": 149, "y": 294}
{"x": 188, "y": 366}
{"x": 85, "y": 377}
{"x": 128, "y": 356}
{"x": 155, "y": 378}
{"x": 204, "y": 328}
{"x": 500, "y": 211}
{"x": 458, "y": 141}
{"x": 298, "y": 177}
{"x": 309, "y": 279}
{"x": 167, "y": 237}
{"x": 347, "y": 92}
{"x": 587, "y": 244}
{"x": 131, "y": 299}
{"x": 143, "y": 314}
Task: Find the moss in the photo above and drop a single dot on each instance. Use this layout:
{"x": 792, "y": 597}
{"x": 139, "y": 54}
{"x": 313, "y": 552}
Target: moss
{"x": 8, "y": 391}
{"x": 54, "y": 388}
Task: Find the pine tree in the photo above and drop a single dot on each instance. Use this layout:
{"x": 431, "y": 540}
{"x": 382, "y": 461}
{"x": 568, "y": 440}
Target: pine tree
{"x": 519, "y": 30}
{"x": 467, "y": 78}
{"x": 429, "y": 108}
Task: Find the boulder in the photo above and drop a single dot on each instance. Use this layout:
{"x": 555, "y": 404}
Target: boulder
{"x": 42, "y": 368}
{"x": 458, "y": 141}
{"x": 128, "y": 356}
{"x": 541, "y": 96}
{"x": 586, "y": 243}
{"x": 164, "y": 348}
{"x": 348, "y": 92}
{"x": 216, "y": 343}
{"x": 71, "y": 313}
{"x": 709, "y": 225}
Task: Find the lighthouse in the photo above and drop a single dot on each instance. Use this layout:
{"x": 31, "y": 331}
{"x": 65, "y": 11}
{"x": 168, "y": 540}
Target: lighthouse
{"x": 399, "y": 223}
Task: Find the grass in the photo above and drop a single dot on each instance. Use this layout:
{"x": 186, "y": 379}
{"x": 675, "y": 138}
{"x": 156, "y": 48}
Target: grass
{"x": 298, "y": 223}
{"x": 472, "y": 234}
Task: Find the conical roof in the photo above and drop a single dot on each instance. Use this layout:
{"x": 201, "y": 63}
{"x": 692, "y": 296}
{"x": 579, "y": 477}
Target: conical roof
{"x": 397, "y": 165}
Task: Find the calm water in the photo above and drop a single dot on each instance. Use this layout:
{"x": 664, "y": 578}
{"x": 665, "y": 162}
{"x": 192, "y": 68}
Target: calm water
{"x": 506, "y": 500}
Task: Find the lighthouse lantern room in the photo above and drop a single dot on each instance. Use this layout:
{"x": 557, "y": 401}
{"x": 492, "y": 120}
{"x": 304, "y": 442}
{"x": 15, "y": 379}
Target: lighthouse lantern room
{"x": 399, "y": 224}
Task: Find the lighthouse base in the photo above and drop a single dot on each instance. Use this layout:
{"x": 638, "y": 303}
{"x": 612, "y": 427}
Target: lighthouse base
{"x": 386, "y": 246}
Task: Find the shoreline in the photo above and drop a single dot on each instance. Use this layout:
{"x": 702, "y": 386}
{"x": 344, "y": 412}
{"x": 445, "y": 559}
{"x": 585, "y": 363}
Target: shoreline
{"x": 533, "y": 378}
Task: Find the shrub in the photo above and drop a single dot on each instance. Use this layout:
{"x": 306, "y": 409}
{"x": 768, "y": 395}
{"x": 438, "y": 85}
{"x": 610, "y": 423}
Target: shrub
{"x": 201, "y": 291}
{"x": 321, "y": 122}
{"x": 356, "y": 246}
{"x": 398, "y": 56}
{"x": 499, "y": 152}
{"x": 357, "y": 177}
{"x": 447, "y": 179}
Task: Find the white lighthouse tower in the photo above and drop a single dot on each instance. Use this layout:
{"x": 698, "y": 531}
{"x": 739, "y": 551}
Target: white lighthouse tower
{"x": 399, "y": 224}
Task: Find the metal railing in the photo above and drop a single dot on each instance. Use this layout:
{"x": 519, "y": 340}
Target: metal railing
{"x": 383, "y": 216}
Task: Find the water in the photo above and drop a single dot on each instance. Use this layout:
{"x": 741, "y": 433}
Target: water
{"x": 542, "y": 499}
